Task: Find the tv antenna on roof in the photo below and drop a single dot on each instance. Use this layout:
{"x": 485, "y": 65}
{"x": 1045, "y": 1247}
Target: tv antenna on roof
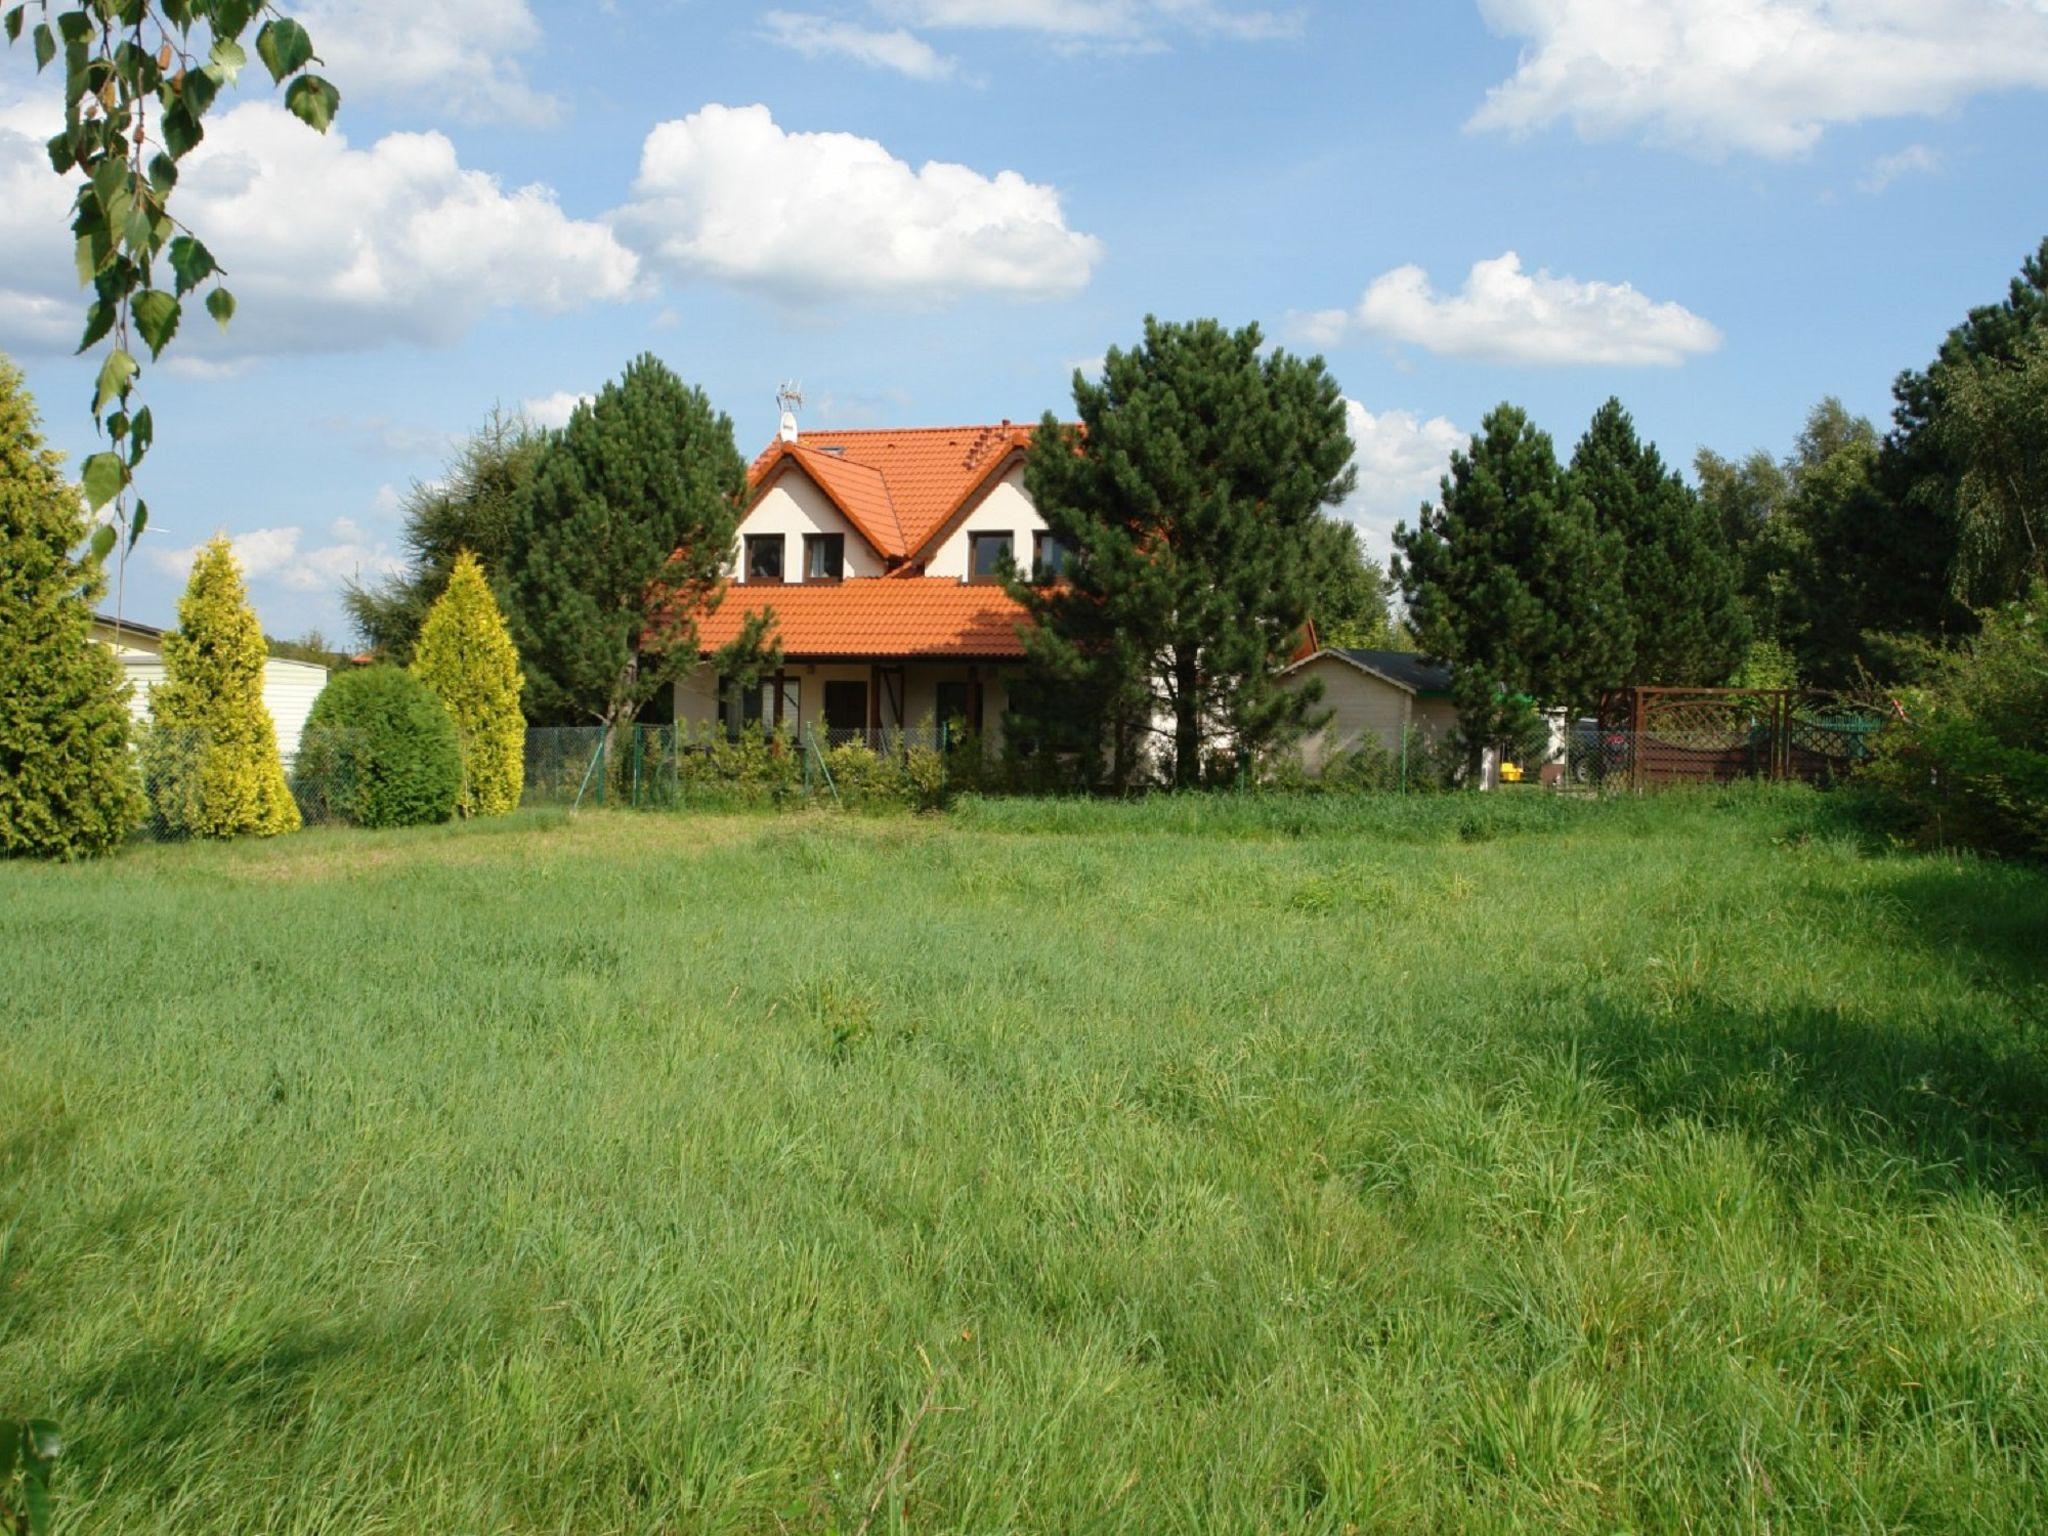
{"x": 788, "y": 398}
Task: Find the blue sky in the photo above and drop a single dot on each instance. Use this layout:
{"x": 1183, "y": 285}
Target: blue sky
{"x": 929, "y": 211}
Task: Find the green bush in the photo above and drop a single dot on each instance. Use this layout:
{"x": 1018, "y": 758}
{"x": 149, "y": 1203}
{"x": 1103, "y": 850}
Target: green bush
{"x": 379, "y": 750}
{"x": 1969, "y": 767}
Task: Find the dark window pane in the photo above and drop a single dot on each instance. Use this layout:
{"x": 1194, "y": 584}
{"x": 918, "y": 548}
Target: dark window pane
{"x": 986, "y": 552}
{"x": 764, "y": 557}
{"x": 952, "y": 703}
{"x": 846, "y": 706}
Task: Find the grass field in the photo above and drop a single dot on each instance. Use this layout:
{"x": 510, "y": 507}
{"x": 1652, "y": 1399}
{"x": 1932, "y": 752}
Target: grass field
{"x": 1193, "y": 1167}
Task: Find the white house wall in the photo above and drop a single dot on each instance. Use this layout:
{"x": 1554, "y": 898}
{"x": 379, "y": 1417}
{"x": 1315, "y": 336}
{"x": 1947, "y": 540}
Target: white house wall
{"x": 793, "y": 507}
{"x": 289, "y": 689}
{"x": 1006, "y": 509}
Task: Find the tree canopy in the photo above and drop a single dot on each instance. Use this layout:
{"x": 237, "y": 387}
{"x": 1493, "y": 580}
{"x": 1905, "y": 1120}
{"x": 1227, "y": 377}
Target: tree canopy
{"x": 1508, "y": 578}
{"x": 624, "y": 537}
{"x": 67, "y": 780}
{"x": 1192, "y": 498}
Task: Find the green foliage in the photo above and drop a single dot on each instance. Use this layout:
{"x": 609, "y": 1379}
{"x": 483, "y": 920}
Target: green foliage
{"x": 1994, "y": 423}
{"x": 209, "y": 760}
{"x": 1193, "y": 497}
{"x": 67, "y": 781}
{"x": 130, "y": 67}
{"x": 29, "y": 1452}
{"x": 624, "y": 538}
{"x": 379, "y": 750}
{"x": 1354, "y": 609}
{"x": 1684, "y": 620}
{"x": 1508, "y": 579}
{"x": 1970, "y": 767}
{"x": 1766, "y": 665}
{"x": 473, "y": 505}
{"x": 466, "y": 657}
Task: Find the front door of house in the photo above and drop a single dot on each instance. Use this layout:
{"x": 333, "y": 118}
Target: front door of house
{"x": 846, "y": 710}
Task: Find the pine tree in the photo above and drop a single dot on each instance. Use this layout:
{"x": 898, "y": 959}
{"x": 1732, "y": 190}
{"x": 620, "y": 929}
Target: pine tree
{"x": 626, "y": 535}
{"x": 67, "y": 781}
{"x": 465, "y": 655}
{"x": 1192, "y": 499}
{"x": 1685, "y": 620}
{"x": 211, "y": 757}
{"x": 1507, "y": 579}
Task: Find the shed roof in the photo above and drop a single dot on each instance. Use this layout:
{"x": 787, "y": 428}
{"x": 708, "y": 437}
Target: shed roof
{"x": 1404, "y": 669}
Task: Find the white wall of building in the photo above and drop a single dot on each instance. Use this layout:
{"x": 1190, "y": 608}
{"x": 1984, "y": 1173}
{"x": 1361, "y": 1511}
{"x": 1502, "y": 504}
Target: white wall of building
{"x": 289, "y": 689}
{"x": 1006, "y": 509}
{"x": 793, "y": 507}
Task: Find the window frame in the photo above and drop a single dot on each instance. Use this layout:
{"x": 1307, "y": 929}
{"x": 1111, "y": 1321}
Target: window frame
{"x": 1041, "y": 537}
{"x": 814, "y": 541}
{"x": 762, "y": 540}
{"x": 975, "y": 539}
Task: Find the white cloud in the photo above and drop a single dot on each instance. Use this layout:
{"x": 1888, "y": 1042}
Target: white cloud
{"x": 1108, "y": 21}
{"x": 461, "y": 57}
{"x": 893, "y": 48}
{"x": 726, "y": 195}
{"x": 327, "y": 248}
{"x": 552, "y": 410}
{"x": 1506, "y": 315}
{"x": 1765, "y": 76}
{"x": 1913, "y": 160}
{"x": 1400, "y": 458}
{"x": 284, "y": 558}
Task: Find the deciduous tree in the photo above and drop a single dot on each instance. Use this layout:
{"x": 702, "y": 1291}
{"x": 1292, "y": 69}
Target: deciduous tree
{"x": 1194, "y": 499}
{"x": 467, "y": 658}
{"x": 67, "y": 781}
{"x": 139, "y": 79}
{"x": 210, "y": 760}
{"x": 474, "y": 506}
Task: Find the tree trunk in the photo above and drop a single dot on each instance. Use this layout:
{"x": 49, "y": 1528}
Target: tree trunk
{"x": 1187, "y": 721}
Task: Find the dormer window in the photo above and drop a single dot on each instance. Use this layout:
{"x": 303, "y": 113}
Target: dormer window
{"x": 1048, "y": 557}
{"x": 987, "y": 554}
{"x": 764, "y": 557}
{"x": 824, "y": 556}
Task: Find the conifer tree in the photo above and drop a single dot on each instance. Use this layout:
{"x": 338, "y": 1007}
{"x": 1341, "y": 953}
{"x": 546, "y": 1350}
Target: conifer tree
{"x": 211, "y": 757}
{"x": 466, "y": 656}
{"x": 1192, "y": 500}
{"x": 1678, "y": 585}
{"x": 67, "y": 782}
{"x": 1507, "y": 579}
{"x": 624, "y": 539}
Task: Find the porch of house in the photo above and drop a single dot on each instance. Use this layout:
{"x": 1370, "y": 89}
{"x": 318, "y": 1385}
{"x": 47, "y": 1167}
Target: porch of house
{"x": 842, "y": 701}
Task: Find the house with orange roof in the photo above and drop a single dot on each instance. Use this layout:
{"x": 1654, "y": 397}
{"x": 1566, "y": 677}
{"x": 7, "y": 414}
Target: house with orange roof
{"x": 879, "y": 552}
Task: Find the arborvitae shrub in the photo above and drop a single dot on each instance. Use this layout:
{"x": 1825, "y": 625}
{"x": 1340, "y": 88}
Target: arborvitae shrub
{"x": 379, "y": 750}
{"x": 465, "y": 655}
{"x": 210, "y": 759}
{"x": 67, "y": 782}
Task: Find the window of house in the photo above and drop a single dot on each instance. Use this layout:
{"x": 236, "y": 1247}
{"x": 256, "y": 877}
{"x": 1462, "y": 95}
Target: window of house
{"x": 1048, "y": 556}
{"x": 743, "y": 707}
{"x": 764, "y": 557}
{"x": 952, "y": 710}
{"x": 986, "y": 553}
{"x": 824, "y": 556}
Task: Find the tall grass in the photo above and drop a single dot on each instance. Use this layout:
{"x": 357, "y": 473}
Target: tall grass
{"x": 1193, "y": 1166}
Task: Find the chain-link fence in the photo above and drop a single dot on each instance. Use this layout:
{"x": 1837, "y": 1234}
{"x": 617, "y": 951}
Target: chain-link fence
{"x": 662, "y": 766}
{"x": 197, "y": 784}
{"x": 1651, "y": 737}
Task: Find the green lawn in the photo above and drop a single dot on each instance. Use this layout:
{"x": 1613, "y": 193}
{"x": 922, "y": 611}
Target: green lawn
{"x": 1195, "y": 1167}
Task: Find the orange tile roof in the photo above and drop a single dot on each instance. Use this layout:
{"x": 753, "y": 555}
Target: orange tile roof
{"x": 925, "y": 475}
{"x": 876, "y": 618}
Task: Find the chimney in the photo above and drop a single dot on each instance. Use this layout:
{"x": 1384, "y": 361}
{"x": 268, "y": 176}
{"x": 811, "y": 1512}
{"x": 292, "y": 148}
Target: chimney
{"x": 789, "y": 397}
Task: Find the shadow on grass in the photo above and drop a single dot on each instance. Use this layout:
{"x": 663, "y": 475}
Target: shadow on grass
{"x": 1960, "y": 1107}
{"x": 1994, "y": 917}
{"x": 151, "y": 1401}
